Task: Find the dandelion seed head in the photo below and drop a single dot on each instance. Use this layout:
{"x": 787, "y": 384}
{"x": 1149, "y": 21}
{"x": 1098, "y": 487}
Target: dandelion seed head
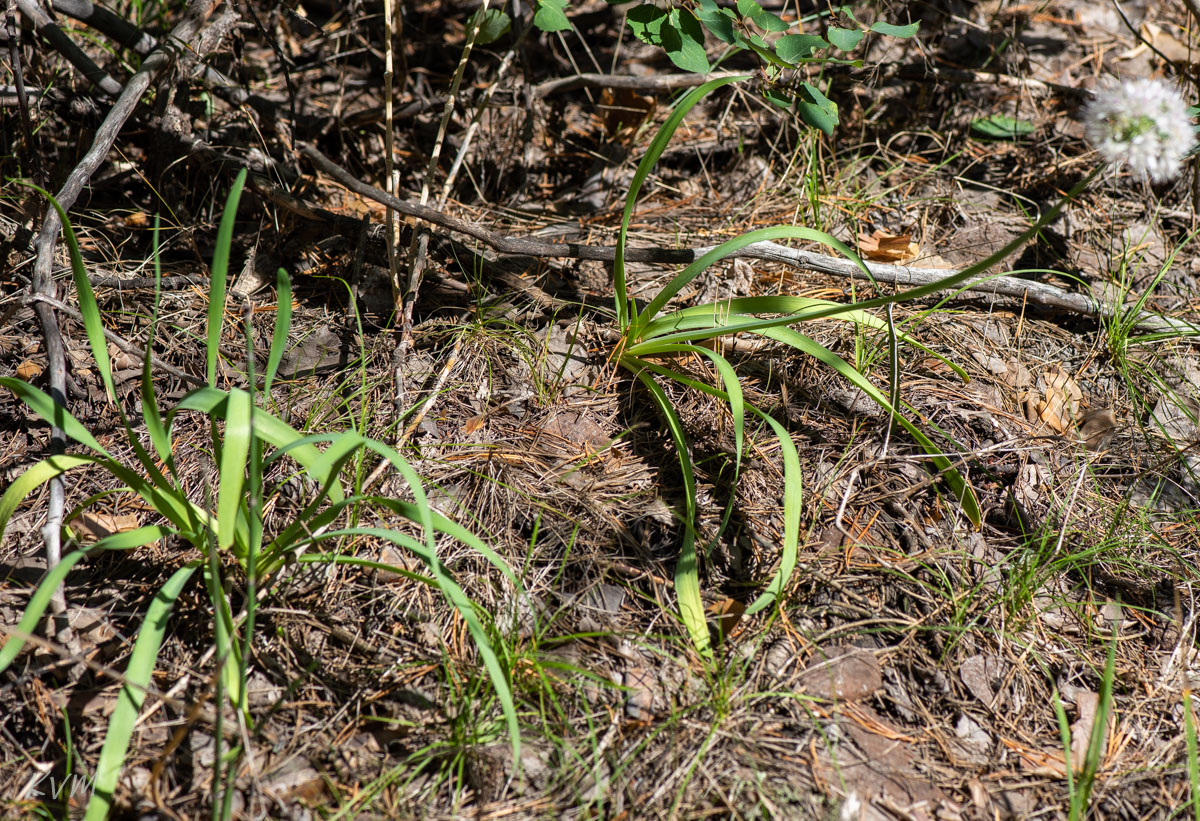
{"x": 1143, "y": 124}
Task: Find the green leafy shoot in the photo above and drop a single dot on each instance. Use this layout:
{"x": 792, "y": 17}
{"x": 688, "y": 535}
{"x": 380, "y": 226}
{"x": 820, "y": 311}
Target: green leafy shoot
{"x": 652, "y": 332}
{"x": 247, "y": 440}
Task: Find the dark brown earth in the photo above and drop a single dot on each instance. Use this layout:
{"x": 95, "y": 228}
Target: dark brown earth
{"x": 917, "y": 667}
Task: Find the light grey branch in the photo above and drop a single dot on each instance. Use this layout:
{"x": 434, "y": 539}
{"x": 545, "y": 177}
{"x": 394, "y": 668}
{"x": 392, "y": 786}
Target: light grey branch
{"x": 63, "y": 44}
{"x": 1047, "y": 296}
{"x": 126, "y": 34}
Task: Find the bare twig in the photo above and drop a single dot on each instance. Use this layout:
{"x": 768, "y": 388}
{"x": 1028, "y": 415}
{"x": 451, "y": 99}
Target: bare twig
{"x": 1046, "y": 296}
{"x": 120, "y": 341}
{"x": 925, "y": 73}
{"x": 651, "y": 82}
{"x": 41, "y": 284}
{"x": 129, "y": 36}
{"x": 918, "y": 72}
{"x": 60, "y": 42}
{"x": 14, "y": 50}
{"x": 126, "y": 34}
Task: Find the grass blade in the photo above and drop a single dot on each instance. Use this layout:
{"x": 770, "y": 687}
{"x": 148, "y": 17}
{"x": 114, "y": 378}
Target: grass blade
{"x": 731, "y": 246}
{"x": 137, "y": 676}
{"x": 34, "y": 477}
{"x": 687, "y": 571}
{"x": 792, "y": 491}
{"x": 283, "y": 324}
{"x": 657, "y": 146}
{"x": 38, "y": 603}
{"x": 40, "y": 403}
{"x": 235, "y": 450}
{"x": 459, "y": 600}
{"x": 962, "y": 490}
{"x": 220, "y": 276}
{"x": 93, "y": 325}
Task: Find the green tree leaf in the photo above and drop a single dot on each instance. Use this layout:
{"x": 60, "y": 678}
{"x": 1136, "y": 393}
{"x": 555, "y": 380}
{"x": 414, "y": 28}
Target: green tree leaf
{"x": 646, "y": 22}
{"x": 551, "y": 16}
{"x": 767, "y": 21}
{"x": 1001, "y": 127}
{"x": 689, "y": 53}
{"x": 816, "y": 109}
{"x": 495, "y": 25}
{"x": 748, "y": 8}
{"x": 719, "y": 21}
{"x": 896, "y": 31}
{"x": 844, "y": 39}
{"x": 849, "y": 14}
{"x": 793, "y": 47}
{"x": 778, "y": 98}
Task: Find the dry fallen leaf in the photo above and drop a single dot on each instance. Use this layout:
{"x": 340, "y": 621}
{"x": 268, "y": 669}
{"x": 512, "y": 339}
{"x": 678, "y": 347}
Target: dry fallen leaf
{"x": 880, "y": 246}
{"x": 29, "y": 369}
{"x": 1060, "y": 407}
{"x": 1088, "y": 705}
{"x": 94, "y": 526}
{"x": 1169, "y": 45}
{"x": 726, "y": 614}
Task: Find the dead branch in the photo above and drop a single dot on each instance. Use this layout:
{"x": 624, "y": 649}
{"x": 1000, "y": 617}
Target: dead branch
{"x": 925, "y": 73}
{"x": 13, "y": 35}
{"x": 653, "y": 82}
{"x": 126, "y": 34}
{"x": 42, "y": 282}
{"x": 129, "y": 36}
{"x": 1037, "y": 293}
{"x": 918, "y": 72}
{"x": 60, "y": 42}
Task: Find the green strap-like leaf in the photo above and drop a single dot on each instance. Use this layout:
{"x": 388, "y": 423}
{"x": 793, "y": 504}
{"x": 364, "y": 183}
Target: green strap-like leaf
{"x": 283, "y": 325}
{"x": 792, "y": 486}
{"x": 459, "y": 600}
{"x": 38, "y": 603}
{"x": 962, "y": 490}
{"x": 728, "y": 247}
{"x": 235, "y": 447}
{"x": 34, "y": 477}
{"x": 220, "y": 277}
{"x": 269, "y": 428}
{"x": 40, "y": 403}
{"x": 129, "y": 702}
{"x": 93, "y": 324}
{"x": 687, "y": 569}
{"x": 657, "y": 146}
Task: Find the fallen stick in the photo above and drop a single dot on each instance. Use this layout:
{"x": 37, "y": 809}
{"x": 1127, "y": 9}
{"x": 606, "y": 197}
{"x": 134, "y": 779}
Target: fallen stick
{"x": 60, "y": 42}
{"x": 41, "y": 284}
{"x": 1037, "y": 293}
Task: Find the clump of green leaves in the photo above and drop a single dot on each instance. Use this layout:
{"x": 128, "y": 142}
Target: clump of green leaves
{"x": 747, "y": 26}
{"x": 651, "y": 333}
{"x": 246, "y": 440}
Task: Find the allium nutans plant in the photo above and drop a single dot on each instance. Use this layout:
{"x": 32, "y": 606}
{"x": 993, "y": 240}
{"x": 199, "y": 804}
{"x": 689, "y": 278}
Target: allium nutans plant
{"x": 1152, "y": 145}
{"x": 246, "y": 440}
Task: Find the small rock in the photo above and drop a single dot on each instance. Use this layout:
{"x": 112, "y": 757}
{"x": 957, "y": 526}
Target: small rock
{"x": 841, "y": 674}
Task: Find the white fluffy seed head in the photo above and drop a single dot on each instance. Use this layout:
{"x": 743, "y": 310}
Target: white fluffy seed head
{"x": 1143, "y": 124}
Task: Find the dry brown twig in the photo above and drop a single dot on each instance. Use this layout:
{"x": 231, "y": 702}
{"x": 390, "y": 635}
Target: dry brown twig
{"x": 1036, "y": 293}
